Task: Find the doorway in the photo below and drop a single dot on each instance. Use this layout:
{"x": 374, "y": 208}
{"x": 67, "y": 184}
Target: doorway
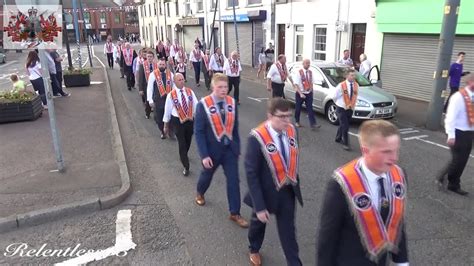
{"x": 281, "y": 39}
{"x": 358, "y": 42}
{"x": 299, "y": 42}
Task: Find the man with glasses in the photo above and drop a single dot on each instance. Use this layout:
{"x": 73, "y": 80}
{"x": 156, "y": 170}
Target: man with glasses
{"x": 271, "y": 165}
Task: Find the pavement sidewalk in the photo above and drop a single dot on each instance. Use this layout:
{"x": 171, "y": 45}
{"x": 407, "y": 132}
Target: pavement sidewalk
{"x": 29, "y": 182}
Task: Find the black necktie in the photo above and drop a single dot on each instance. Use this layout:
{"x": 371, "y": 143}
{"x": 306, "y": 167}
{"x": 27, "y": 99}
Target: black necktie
{"x": 384, "y": 203}
{"x": 282, "y": 146}
{"x": 352, "y": 90}
{"x": 222, "y": 111}
{"x": 151, "y": 67}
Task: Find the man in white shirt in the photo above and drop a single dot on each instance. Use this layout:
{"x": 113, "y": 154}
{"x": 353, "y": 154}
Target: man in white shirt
{"x": 303, "y": 80}
{"x": 365, "y": 65}
{"x": 196, "y": 56}
{"x": 345, "y": 98}
{"x": 277, "y": 76}
{"x": 362, "y": 215}
{"x": 180, "y": 107}
{"x": 346, "y": 59}
{"x": 160, "y": 83}
{"x": 217, "y": 61}
{"x": 459, "y": 125}
{"x": 232, "y": 69}
{"x": 109, "y": 48}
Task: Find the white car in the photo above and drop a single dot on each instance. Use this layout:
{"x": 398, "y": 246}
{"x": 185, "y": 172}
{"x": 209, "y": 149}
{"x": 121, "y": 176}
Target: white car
{"x": 372, "y": 101}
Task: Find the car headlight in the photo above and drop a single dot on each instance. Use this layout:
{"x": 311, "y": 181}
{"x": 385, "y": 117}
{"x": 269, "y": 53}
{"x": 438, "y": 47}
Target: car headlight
{"x": 362, "y": 103}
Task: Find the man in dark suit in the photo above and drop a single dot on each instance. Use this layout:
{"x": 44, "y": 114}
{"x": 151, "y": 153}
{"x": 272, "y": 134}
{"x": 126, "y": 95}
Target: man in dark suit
{"x": 217, "y": 137}
{"x": 362, "y": 217}
{"x": 128, "y": 55}
{"x": 271, "y": 164}
{"x": 144, "y": 71}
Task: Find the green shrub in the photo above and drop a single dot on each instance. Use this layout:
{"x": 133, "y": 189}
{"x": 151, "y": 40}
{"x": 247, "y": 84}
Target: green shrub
{"x": 16, "y": 96}
{"x": 75, "y": 71}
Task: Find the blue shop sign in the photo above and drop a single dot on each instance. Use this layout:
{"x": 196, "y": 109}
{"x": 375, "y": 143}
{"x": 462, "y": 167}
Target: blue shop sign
{"x": 238, "y": 17}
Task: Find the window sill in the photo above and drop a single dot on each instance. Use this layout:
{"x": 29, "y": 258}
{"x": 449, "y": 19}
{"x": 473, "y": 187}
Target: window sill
{"x": 231, "y": 8}
{"x": 255, "y": 5}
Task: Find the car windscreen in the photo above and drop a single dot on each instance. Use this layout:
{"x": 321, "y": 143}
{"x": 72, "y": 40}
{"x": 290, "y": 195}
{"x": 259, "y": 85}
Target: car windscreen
{"x": 336, "y": 75}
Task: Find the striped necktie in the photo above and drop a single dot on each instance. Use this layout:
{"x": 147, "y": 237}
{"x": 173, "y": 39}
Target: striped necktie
{"x": 183, "y": 102}
{"x": 384, "y": 203}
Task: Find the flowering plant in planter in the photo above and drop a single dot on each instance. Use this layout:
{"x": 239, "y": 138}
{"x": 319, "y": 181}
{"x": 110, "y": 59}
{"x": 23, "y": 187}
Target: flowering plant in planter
{"x": 16, "y": 96}
{"x": 75, "y": 71}
{"x": 77, "y": 77}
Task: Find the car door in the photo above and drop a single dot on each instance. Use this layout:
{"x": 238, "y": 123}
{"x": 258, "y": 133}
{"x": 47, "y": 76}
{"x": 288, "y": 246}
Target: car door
{"x": 320, "y": 89}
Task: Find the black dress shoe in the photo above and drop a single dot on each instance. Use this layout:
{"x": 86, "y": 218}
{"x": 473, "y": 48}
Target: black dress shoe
{"x": 441, "y": 183}
{"x": 185, "y": 172}
{"x": 163, "y": 136}
{"x": 346, "y": 147}
{"x": 129, "y": 88}
{"x": 458, "y": 191}
{"x": 338, "y": 140}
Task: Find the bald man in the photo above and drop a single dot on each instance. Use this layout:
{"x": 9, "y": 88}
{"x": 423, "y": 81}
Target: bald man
{"x": 303, "y": 85}
{"x": 180, "y": 107}
{"x": 128, "y": 55}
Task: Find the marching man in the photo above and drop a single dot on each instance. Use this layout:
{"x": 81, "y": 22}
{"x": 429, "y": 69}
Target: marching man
{"x": 179, "y": 111}
{"x": 217, "y": 136}
{"x": 196, "y": 56}
{"x": 271, "y": 164}
{"x": 303, "y": 81}
{"x": 206, "y": 70}
{"x": 232, "y": 69}
{"x": 128, "y": 55}
{"x": 217, "y": 61}
{"x": 276, "y": 77}
{"x": 144, "y": 71}
{"x": 160, "y": 83}
{"x": 109, "y": 48}
{"x": 118, "y": 57}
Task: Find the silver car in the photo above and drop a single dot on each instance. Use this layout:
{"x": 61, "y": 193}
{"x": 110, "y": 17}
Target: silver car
{"x": 372, "y": 102}
{"x": 3, "y": 57}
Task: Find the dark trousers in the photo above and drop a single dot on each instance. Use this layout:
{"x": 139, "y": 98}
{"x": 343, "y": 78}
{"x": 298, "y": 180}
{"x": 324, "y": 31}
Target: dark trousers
{"x": 277, "y": 90}
{"x": 197, "y": 71}
{"x": 308, "y": 101}
{"x": 184, "y": 134}
{"x": 453, "y": 90}
{"x": 459, "y": 157}
{"x": 110, "y": 59}
{"x": 159, "y": 113}
{"x": 147, "y": 105}
{"x": 130, "y": 77}
{"x": 229, "y": 162}
{"x": 38, "y": 86}
{"x": 57, "y": 90}
{"x": 285, "y": 222}
{"x": 344, "y": 117}
{"x": 59, "y": 76}
{"x": 234, "y": 83}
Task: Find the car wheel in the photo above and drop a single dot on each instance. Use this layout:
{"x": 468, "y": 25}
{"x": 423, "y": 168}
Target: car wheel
{"x": 331, "y": 114}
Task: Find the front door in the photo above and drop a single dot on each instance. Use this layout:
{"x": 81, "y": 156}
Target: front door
{"x": 281, "y": 39}
{"x": 299, "y": 41}
{"x": 358, "y": 42}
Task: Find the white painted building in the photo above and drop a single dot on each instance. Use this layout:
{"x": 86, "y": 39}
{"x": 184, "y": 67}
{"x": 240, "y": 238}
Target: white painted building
{"x": 186, "y": 20}
{"x": 323, "y": 29}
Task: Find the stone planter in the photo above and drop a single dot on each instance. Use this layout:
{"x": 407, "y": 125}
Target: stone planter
{"x": 77, "y": 80}
{"x": 13, "y": 112}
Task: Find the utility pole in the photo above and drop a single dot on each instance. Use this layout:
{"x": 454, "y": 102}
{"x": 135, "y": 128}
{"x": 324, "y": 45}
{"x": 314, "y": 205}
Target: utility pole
{"x": 85, "y": 32}
{"x": 445, "y": 50}
{"x": 76, "y": 29}
{"x": 66, "y": 37}
{"x": 235, "y": 28}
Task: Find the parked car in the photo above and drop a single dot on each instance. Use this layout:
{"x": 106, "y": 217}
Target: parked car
{"x": 3, "y": 57}
{"x": 372, "y": 102}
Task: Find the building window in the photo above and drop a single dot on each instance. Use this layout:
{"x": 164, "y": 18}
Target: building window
{"x": 149, "y": 9}
{"x": 154, "y": 8}
{"x": 103, "y": 18}
{"x": 320, "y": 42}
{"x": 168, "y": 10}
{"x": 144, "y": 10}
{"x": 87, "y": 17}
{"x": 213, "y": 4}
{"x": 281, "y": 1}
{"x": 176, "y": 7}
{"x": 200, "y": 6}
{"x": 254, "y": 2}
{"x": 117, "y": 18}
{"x": 230, "y": 3}
{"x": 160, "y": 7}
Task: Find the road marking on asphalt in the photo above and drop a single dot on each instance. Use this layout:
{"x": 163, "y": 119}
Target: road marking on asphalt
{"x": 96, "y": 82}
{"x": 416, "y": 137}
{"x": 353, "y": 134}
{"x": 439, "y": 145}
{"x": 100, "y": 61}
{"x": 257, "y": 99}
{"x": 409, "y": 131}
{"x": 123, "y": 242}
{"x": 405, "y": 129}
{"x": 8, "y": 63}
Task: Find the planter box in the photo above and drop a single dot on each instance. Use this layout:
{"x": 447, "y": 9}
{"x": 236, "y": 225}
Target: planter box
{"x": 77, "y": 80}
{"x": 13, "y": 112}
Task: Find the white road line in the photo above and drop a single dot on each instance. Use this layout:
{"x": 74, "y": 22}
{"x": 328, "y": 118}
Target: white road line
{"x": 354, "y": 134}
{"x": 410, "y": 131}
{"x": 257, "y": 99}
{"x": 439, "y": 145}
{"x": 8, "y": 63}
{"x": 416, "y": 137}
{"x": 405, "y": 129}
{"x": 123, "y": 242}
{"x": 100, "y": 61}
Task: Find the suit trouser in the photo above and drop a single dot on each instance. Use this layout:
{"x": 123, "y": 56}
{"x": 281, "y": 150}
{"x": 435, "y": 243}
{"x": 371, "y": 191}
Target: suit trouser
{"x": 197, "y": 71}
{"x": 110, "y": 59}
{"x": 459, "y": 157}
{"x": 55, "y": 85}
{"x": 344, "y": 117}
{"x": 147, "y": 104}
{"x": 308, "y": 101}
{"x": 59, "y": 76}
{"x": 234, "y": 83}
{"x": 129, "y": 74}
{"x": 229, "y": 162}
{"x": 277, "y": 90}
{"x": 285, "y": 221}
{"x": 122, "y": 71}
{"x": 207, "y": 78}
{"x": 184, "y": 134}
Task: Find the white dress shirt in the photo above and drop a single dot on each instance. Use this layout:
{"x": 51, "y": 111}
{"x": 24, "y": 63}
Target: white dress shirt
{"x": 274, "y": 74}
{"x": 214, "y": 65}
{"x": 151, "y": 85}
{"x": 192, "y": 58}
{"x": 227, "y": 68}
{"x": 112, "y": 48}
{"x": 338, "y": 95}
{"x": 456, "y": 115}
{"x": 181, "y": 55}
{"x": 276, "y": 140}
{"x": 374, "y": 190}
{"x": 365, "y": 68}
{"x": 170, "y": 108}
{"x": 297, "y": 81}
{"x": 347, "y": 61}
{"x": 35, "y": 71}
{"x": 173, "y": 51}
{"x": 51, "y": 64}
